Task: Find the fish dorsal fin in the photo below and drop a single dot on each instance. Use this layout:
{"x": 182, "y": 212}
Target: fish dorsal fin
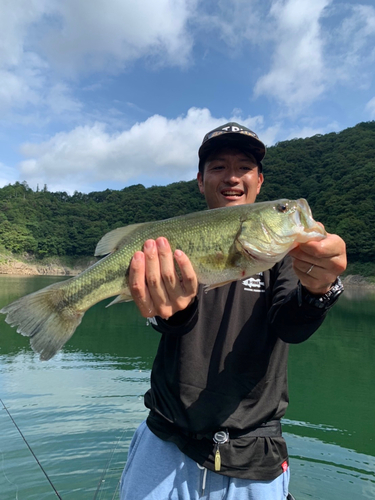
{"x": 113, "y": 240}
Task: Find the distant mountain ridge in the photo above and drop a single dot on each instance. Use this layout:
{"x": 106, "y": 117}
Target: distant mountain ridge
{"x": 335, "y": 172}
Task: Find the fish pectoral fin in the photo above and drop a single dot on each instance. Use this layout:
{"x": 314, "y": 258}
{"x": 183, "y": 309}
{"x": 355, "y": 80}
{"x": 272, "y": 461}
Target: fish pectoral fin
{"x": 123, "y": 297}
{"x": 114, "y": 240}
{"x": 207, "y": 288}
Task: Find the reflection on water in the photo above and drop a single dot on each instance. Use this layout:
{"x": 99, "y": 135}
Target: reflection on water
{"x": 78, "y": 415}
{"x": 325, "y": 471}
{"x": 79, "y": 410}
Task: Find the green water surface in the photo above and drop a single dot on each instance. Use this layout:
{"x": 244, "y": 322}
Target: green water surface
{"x": 79, "y": 410}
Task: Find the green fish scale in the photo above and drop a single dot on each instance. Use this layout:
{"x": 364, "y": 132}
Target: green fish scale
{"x": 195, "y": 235}
{"x": 223, "y": 245}
{"x": 102, "y": 280}
{"x": 206, "y": 237}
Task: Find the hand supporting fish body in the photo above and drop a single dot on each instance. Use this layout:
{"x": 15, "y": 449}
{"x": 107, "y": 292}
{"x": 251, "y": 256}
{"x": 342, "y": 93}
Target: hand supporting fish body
{"x": 223, "y": 245}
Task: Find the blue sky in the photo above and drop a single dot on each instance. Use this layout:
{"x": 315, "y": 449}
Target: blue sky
{"x": 108, "y": 93}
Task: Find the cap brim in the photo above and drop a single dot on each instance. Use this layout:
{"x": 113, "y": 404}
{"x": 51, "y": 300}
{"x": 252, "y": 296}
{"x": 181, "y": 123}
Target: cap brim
{"x": 245, "y": 142}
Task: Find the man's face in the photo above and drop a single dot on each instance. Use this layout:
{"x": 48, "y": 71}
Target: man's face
{"x": 230, "y": 178}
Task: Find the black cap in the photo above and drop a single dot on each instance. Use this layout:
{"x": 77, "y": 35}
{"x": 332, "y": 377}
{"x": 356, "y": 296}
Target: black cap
{"x": 231, "y": 135}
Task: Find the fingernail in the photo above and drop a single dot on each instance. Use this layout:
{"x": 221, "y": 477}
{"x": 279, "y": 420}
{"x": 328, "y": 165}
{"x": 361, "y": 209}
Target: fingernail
{"x": 162, "y": 242}
{"x": 137, "y": 256}
{"x": 149, "y": 244}
{"x": 179, "y": 253}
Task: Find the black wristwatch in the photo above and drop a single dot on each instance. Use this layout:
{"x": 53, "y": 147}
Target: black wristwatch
{"x": 325, "y": 301}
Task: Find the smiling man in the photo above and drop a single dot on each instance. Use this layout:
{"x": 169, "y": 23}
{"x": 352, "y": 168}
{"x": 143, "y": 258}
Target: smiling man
{"x": 230, "y": 168}
{"x": 230, "y": 177}
{"x": 219, "y": 380}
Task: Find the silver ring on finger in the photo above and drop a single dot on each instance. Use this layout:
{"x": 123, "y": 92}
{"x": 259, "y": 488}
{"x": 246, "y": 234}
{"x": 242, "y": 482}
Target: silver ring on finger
{"x": 311, "y": 268}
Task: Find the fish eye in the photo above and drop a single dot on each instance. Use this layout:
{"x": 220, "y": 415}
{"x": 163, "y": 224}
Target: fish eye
{"x": 282, "y": 208}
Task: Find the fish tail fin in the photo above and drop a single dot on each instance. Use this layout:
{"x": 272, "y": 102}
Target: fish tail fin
{"x": 44, "y": 318}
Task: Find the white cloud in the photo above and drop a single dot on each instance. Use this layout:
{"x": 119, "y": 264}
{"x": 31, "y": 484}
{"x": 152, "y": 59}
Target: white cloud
{"x": 296, "y": 77}
{"x": 303, "y": 48}
{"x": 358, "y": 27}
{"x": 308, "y": 44}
{"x": 310, "y": 131}
{"x": 14, "y": 91}
{"x": 59, "y": 100}
{"x": 161, "y": 149}
{"x": 16, "y": 18}
{"x": 7, "y": 175}
{"x": 38, "y": 37}
{"x": 370, "y": 108}
{"x": 20, "y": 69}
{"x": 111, "y": 33}
{"x": 351, "y": 54}
{"x": 236, "y": 21}
{"x": 317, "y": 44}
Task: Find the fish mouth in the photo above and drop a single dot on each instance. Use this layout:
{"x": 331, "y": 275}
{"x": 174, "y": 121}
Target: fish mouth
{"x": 304, "y": 220}
{"x": 304, "y": 206}
{"x": 277, "y": 242}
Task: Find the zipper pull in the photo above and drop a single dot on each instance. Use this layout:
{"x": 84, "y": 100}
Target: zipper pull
{"x": 217, "y": 459}
{"x": 220, "y": 437}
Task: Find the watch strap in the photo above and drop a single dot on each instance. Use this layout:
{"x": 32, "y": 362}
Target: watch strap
{"x": 324, "y": 301}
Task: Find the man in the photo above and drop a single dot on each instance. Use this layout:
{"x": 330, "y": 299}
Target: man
{"x": 218, "y": 384}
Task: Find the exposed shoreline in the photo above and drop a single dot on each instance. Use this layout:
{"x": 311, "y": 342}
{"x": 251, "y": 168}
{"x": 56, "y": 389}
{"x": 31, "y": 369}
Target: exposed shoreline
{"x": 356, "y": 281}
{"x": 12, "y": 266}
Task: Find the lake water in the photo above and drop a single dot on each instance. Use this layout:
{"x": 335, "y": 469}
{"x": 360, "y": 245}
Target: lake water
{"x": 79, "y": 410}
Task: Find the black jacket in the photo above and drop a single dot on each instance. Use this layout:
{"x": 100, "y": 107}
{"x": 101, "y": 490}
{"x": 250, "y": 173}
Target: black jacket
{"x": 222, "y": 365}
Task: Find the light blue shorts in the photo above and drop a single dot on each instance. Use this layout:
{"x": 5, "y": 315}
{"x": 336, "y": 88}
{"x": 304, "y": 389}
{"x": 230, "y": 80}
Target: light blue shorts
{"x": 158, "y": 470}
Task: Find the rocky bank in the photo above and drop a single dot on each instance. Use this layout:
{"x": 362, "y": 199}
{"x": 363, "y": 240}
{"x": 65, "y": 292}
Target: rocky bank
{"x": 10, "y": 265}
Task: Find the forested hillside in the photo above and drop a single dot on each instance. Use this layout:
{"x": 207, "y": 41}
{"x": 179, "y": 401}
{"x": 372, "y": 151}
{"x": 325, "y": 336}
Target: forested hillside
{"x": 334, "y": 172}
{"x": 46, "y": 224}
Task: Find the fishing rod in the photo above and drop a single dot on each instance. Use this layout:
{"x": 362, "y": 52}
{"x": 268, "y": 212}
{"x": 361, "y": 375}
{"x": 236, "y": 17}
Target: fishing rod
{"x": 102, "y": 479}
{"x": 31, "y": 451}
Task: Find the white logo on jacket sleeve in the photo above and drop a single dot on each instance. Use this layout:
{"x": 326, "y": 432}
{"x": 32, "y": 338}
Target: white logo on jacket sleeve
{"x": 254, "y": 284}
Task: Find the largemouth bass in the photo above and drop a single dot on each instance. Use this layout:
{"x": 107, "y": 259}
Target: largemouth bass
{"x": 223, "y": 244}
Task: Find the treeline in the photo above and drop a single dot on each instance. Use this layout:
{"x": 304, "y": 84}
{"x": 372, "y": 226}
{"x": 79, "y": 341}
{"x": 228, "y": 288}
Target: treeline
{"x": 44, "y": 224}
{"x": 334, "y": 172}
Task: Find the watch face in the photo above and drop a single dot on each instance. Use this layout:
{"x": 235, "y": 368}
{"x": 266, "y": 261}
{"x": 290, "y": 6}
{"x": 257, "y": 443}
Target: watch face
{"x": 337, "y": 288}
{"x": 328, "y": 299}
